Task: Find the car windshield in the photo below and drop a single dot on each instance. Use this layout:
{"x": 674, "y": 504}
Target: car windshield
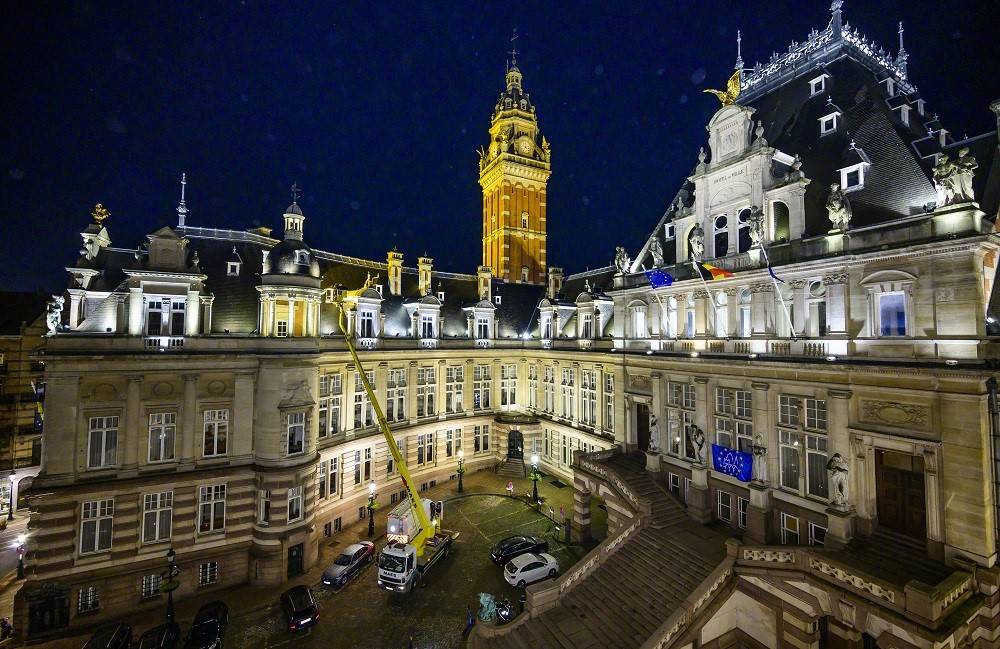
{"x": 511, "y": 568}
{"x": 343, "y": 560}
{"x": 392, "y": 563}
{"x": 207, "y": 630}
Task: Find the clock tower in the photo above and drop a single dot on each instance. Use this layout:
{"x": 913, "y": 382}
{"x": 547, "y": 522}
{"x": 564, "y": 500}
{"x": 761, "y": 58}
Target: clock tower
{"x": 513, "y": 172}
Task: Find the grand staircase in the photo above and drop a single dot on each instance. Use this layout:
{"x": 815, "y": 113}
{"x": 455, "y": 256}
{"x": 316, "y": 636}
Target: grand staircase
{"x": 512, "y": 468}
{"x": 625, "y": 600}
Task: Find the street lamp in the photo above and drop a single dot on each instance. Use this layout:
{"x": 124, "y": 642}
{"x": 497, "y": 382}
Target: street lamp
{"x": 535, "y": 477}
{"x": 170, "y": 583}
{"x": 21, "y": 539}
{"x": 372, "y": 506}
{"x": 461, "y": 468}
{"x": 10, "y": 507}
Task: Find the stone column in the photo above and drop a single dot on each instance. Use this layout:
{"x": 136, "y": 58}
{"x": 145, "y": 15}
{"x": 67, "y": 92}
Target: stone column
{"x": 135, "y": 301}
{"x": 932, "y": 489}
{"x": 206, "y": 322}
{"x": 350, "y": 378}
{"x": 840, "y": 520}
{"x": 291, "y": 317}
{"x": 836, "y": 304}
{"x": 759, "y": 516}
{"x": 699, "y": 496}
{"x": 133, "y": 424}
{"x": 581, "y": 510}
{"x": 702, "y": 304}
{"x": 411, "y": 392}
{"x": 381, "y": 384}
{"x": 629, "y": 431}
{"x": 192, "y": 311}
{"x": 799, "y": 306}
{"x": 190, "y": 433}
{"x": 75, "y": 300}
{"x": 63, "y": 425}
{"x": 495, "y": 385}
{"x": 762, "y": 310}
{"x": 657, "y": 413}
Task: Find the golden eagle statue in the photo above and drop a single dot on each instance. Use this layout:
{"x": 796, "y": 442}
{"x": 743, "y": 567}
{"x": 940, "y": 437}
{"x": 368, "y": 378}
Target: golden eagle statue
{"x": 728, "y": 97}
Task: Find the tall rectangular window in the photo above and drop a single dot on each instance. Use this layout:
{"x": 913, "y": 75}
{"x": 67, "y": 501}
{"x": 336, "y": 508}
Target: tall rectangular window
{"x": 609, "y": 401}
{"x": 892, "y": 314}
{"x": 366, "y": 325}
{"x": 157, "y": 516}
{"x": 364, "y": 415}
{"x": 816, "y": 459}
{"x": 212, "y": 508}
{"x": 102, "y": 445}
{"x": 725, "y": 506}
{"x": 87, "y": 599}
{"x": 742, "y": 509}
{"x": 330, "y": 392}
{"x": 396, "y": 395}
{"x": 208, "y": 573}
{"x": 549, "y": 388}
{"x": 481, "y": 439}
{"x": 815, "y": 414}
{"x": 587, "y": 326}
{"x": 216, "y": 432}
{"x": 588, "y": 397}
{"x": 532, "y": 386}
{"x": 569, "y": 393}
{"x": 264, "y": 506}
{"x": 96, "y": 517}
{"x": 295, "y": 432}
{"x": 790, "y": 458}
{"x": 788, "y": 410}
{"x": 427, "y": 325}
{"x": 150, "y": 586}
{"x": 454, "y": 386}
{"x": 162, "y": 429}
{"x": 733, "y": 413}
{"x": 508, "y": 384}
{"x": 481, "y": 387}
{"x": 789, "y": 529}
{"x": 482, "y": 327}
{"x": 321, "y": 477}
{"x": 294, "y": 504}
{"x": 334, "y": 476}
{"x": 425, "y": 448}
{"x": 426, "y": 389}
{"x": 164, "y": 317}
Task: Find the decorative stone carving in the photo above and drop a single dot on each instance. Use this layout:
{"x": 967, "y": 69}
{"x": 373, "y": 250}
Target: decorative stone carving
{"x": 639, "y": 382}
{"x": 836, "y": 278}
{"x": 967, "y": 166}
{"x": 759, "y": 450}
{"x": 837, "y": 469}
{"x": 762, "y": 288}
{"x": 894, "y": 413}
{"x": 839, "y": 574}
{"x": 696, "y": 243}
{"x": 654, "y": 434}
{"x": 622, "y": 261}
{"x": 298, "y": 394}
{"x": 953, "y": 179}
{"x": 838, "y": 208}
{"x": 697, "y": 438}
{"x": 53, "y": 314}
{"x": 757, "y": 229}
{"x": 656, "y": 251}
{"x": 770, "y": 556}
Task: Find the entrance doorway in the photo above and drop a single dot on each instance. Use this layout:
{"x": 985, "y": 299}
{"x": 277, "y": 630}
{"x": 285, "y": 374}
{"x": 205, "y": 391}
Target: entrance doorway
{"x": 515, "y": 445}
{"x": 295, "y": 560}
{"x": 642, "y": 426}
{"x": 900, "y": 499}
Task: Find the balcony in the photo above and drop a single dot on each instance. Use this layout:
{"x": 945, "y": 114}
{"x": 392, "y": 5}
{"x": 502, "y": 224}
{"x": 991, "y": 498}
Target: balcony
{"x": 163, "y": 343}
{"x": 428, "y": 343}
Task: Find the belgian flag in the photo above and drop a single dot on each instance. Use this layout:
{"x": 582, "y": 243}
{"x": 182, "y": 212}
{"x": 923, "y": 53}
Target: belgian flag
{"x": 710, "y": 272}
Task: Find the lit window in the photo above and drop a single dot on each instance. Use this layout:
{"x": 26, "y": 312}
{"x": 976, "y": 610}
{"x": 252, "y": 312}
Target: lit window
{"x": 103, "y": 442}
{"x": 892, "y": 314}
{"x": 524, "y": 273}
{"x": 496, "y": 299}
{"x": 282, "y": 328}
{"x": 151, "y": 585}
{"x": 294, "y": 504}
{"x": 524, "y": 220}
{"x": 212, "y": 508}
{"x": 162, "y": 427}
{"x": 789, "y": 529}
{"x": 828, "y": 124}
{"x": 95, "y": 526}
{"x": 216, "y": 432}
{"x": 725, "y": 509}
{"x": 296, "y": 432}
{"x": 233, "y": 269}
{"x": 208, "y": 573}
{"x": 86, "y": 599}
{"x": 852, "y": 177}
{"x": 157, "y": 516}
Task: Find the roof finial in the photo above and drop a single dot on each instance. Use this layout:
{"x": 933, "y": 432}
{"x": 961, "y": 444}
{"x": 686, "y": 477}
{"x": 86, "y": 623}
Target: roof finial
{"x": 296, "y": 192}
{"x": 836, "y": 24}
{"x": 182, "y": 209}
{"x": 739, "y": 50}
{"x": 513, "y": 49}
{"x": 901, "y": 48}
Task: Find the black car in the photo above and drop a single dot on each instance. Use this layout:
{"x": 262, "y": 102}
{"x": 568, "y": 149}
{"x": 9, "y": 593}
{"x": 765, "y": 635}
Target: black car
{"x": 165, "y": 636}
{"x": 118, "y": 636}
{"x": 300, "y": 608}
{"x": 515, "y": 546}
{"x": 208, "y": 626}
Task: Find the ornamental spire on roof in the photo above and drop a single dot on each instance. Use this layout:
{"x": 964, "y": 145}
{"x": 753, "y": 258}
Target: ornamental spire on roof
{"x": 182, "y": 209}
{"x": 739, "y": 51}
{"x": 513, "y": 49}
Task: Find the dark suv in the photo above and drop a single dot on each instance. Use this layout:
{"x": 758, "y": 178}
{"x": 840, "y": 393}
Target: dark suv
{"x": 299, "y": 607}
{"x": 118, "y": 636}
{"x": 515, "y": 546}
{"x": 208, "y": 626}
{"x": 164, "y": 636}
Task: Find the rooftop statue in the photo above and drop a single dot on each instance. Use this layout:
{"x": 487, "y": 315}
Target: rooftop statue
{"x": 838, "y": 208}
{"x": 696, "y": 243}
{"x": 53, "y": 314}
{"x": 756, "y": 223}
{"x": 622, "y": 261}
{"x": 732, "y": 91}
{"x": 953, "y": 179}
{"x": 656, "y": 250}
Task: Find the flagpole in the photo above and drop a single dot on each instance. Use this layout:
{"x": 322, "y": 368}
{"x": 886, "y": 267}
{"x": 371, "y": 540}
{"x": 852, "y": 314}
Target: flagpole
{"x": 784, "y": 308}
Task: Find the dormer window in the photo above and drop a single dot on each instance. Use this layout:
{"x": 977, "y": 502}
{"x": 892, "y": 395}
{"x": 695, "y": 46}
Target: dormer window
{"x": 524, "y": 220}
{"x": 853, "y": 177}
{"x": 904, "y": 115}
{"x": 890, "y": 88}
{"x": 301, "y": 257}
{"x": 817, "y": 85}
{"x": 668, "y": 230}
{"x": 233, "y": 269}
{"x": 378, "y": 287}
{"x": 329, "y": 295}
{"x": 524, "y": 274}
{"x": 496, "y": 299}
{"x": 828, "y": 124}
{"x": 441, "y": 295}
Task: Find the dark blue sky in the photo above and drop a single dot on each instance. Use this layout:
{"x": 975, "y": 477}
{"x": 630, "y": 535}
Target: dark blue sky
{"x": 377, "y": 113}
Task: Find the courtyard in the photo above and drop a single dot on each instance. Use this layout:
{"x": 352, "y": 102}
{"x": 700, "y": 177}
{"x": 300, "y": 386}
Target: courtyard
{"x": 361, "y": 616}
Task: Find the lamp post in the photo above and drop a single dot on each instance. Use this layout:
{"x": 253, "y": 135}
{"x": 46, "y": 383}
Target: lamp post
{"x": 10, "y": 506}
{"x": 372, "y": 506}
{"x": 535, "y": 477}
{"x": 461, "y": 468}
{"x": 21, "y": 539}
{"x": 170, "y": 583}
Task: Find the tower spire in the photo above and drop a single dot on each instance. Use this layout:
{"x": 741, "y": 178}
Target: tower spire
{"x": 513, "y": 49}
{"x": 739, "y": 51}
{"x": 182, "y": 209}
{"x": 902, "y": 56}
{"x": 836, "y": 20}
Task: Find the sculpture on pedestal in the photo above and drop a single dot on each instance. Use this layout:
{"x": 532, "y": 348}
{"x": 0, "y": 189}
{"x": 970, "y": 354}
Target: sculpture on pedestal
{"x": 53, "y": 314}
{"x": 656, "y": 251}
{"x": 622, "y": 260}
{"x": 759, "y": 451}
{"x": 654, "y": 434}
{"x": 757, "y": 230}
{"x": 837, "y": 469}
{"x": 696, "y": 243}
{"x": 966, "y": 168}
{"x": 953, "y": 179}
{"x": 838, "y": 208}
{"x": 698, "y": 441}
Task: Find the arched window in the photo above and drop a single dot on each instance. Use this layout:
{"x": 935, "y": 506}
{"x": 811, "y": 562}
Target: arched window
{"x": 721, "y": 314}
{"x": 743, "y": 238}
{"x": 743, "y": 324}
{"x": 721, "y": 236}
{"x": 779, "y": 222}
{"x": 637, "y": 312}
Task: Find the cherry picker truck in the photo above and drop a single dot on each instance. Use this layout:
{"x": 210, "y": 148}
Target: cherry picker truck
{"x": 415, "y": 544}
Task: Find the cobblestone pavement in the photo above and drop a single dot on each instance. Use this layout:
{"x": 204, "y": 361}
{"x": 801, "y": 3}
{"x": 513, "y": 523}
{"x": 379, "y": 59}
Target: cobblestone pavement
{"x": 362, "y": 616}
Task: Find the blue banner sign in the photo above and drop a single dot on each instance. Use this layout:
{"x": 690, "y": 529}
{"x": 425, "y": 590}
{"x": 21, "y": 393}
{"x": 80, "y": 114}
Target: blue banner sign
{"x": 731, "y": 462}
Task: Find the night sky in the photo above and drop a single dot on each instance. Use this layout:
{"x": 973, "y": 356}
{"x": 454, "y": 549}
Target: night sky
{"x": 377, "y": 113}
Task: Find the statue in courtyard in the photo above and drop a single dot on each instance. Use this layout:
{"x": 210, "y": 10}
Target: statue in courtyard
{"x": 759, "y": 451}
{"x": 838, "y": 208}
{"x": 697, "y": 438}
{"x": 837, "y": 469}
{"x": 53, "y": 314}
{"x": 656, "y": 251}
{"x": 622, "y": 261}
{"x": 654, "y": 434}
{"x": 756, "y": 223}
{"x": 696, "y": 243}
{"x": 487, "y": 607}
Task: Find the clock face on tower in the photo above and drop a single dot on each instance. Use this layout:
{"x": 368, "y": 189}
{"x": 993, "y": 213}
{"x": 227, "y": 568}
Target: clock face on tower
{"x": 525, "y": 146}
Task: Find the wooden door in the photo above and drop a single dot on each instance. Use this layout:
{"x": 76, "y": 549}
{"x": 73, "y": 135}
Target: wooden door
{"x": 642, "y": 426}
{"x": 900, "y": 497}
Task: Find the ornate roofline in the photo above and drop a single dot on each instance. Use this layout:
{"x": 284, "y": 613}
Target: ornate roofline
{"x": 823, "y": 46}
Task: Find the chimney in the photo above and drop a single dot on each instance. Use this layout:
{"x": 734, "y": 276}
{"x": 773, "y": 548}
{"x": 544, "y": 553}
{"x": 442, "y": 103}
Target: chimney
{"x": 555, "y": 282}
{"x": 424, "y": 265}
{"x": 485, "y": 276}
{"x": 394, "y": 260}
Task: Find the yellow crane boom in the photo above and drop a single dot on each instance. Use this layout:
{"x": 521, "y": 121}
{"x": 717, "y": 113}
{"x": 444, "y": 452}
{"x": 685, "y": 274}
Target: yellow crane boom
{"x": 416, "y": 505}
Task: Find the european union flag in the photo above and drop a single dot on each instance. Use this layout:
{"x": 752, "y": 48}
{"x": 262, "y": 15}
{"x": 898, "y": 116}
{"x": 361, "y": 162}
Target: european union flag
{"x": 771, "y": 271}
{"x": 657, "y": 278}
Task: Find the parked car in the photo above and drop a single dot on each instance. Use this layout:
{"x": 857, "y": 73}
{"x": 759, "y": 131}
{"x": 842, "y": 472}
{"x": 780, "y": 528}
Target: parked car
{"x": 118, "y": 636}
{"x": 349, "y": 563}
{"x": 208, "y": 626}
{"x": 300, "y": 608}
{"x": 165, "y": 636}
{"x": 515, "y": 546}
{"x": 529, "y": 568}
